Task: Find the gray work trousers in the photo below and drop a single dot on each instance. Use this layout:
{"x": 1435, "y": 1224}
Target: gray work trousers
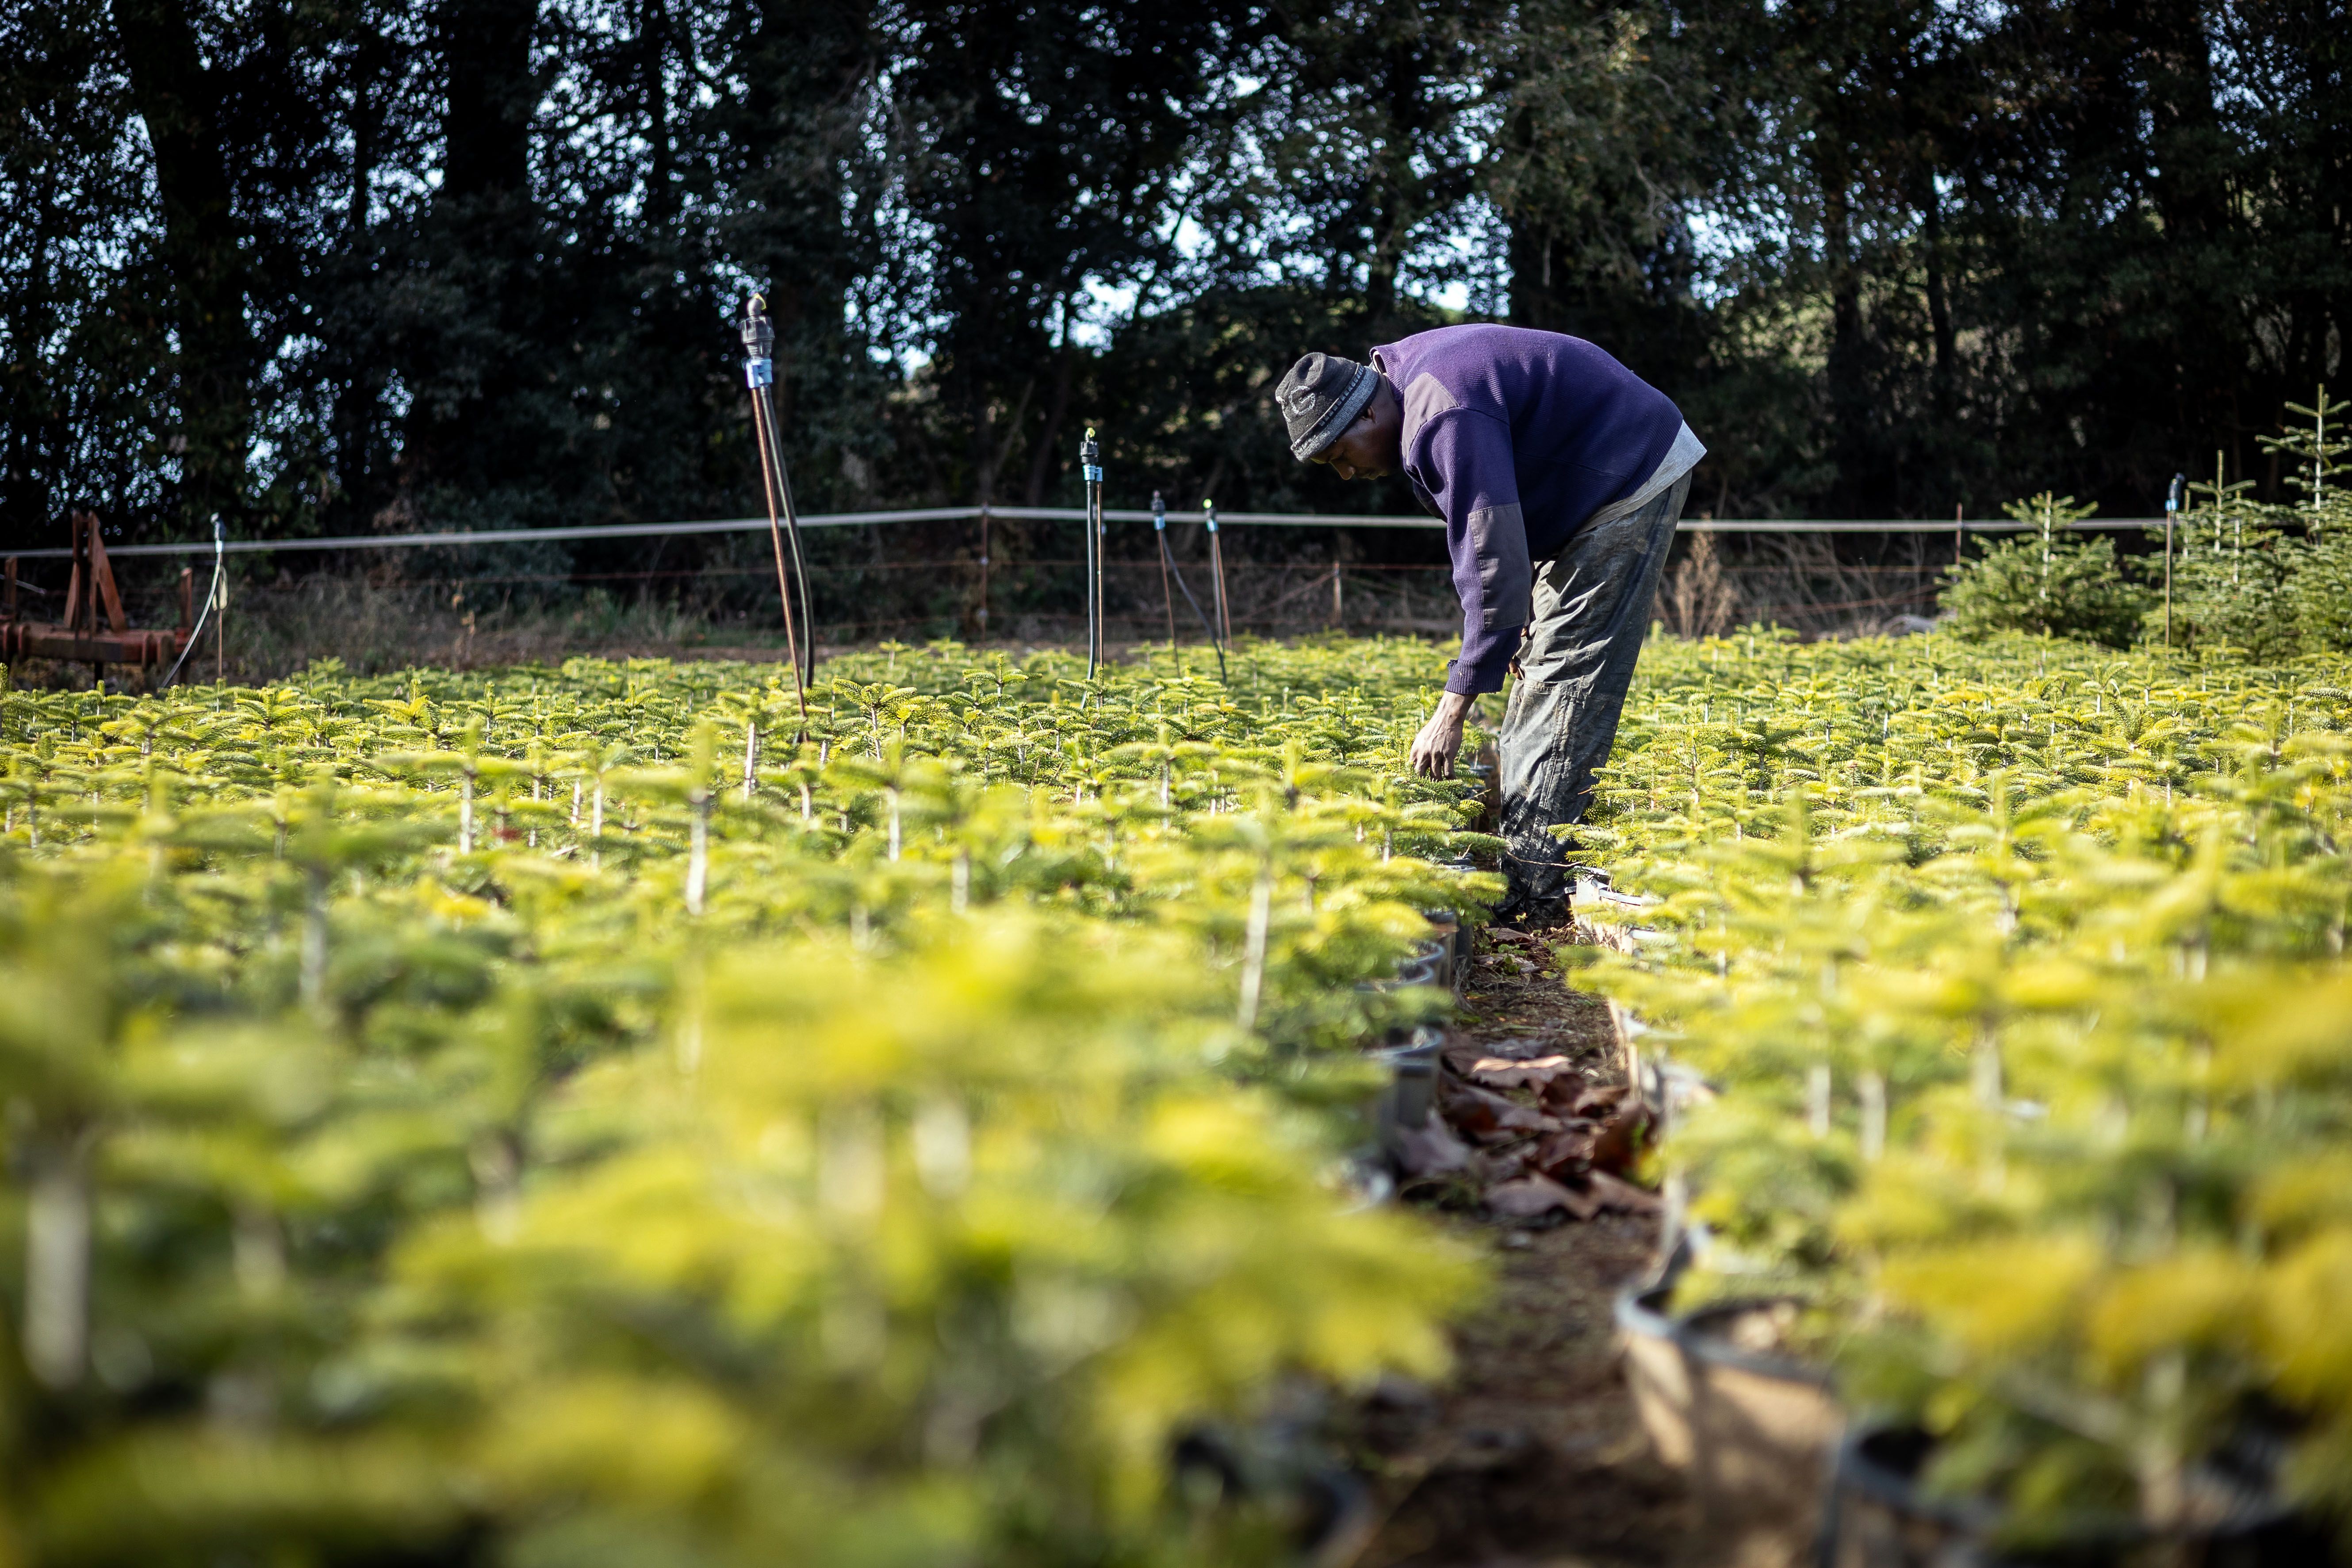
{"x": 1584, "y": 635}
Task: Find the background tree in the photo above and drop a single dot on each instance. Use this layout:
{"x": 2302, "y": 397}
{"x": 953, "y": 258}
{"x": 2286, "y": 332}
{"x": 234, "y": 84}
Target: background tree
{"x": 464, "y": 265}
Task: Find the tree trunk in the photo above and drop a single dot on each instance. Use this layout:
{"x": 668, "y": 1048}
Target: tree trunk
{"x": 468, "y": 424}
{"x": 1393, "y": 196}
{"x": 179, "y": 99}
{"x": 653, "y": 88}
{"x": 487, "y": 126}
{"x": 1944, "y": 369}
{"x": 1848, "y": 373}
{"x": 1041, "y": 459}
{"x": 2189, "y": 154}
{"x": 356, "y": 434}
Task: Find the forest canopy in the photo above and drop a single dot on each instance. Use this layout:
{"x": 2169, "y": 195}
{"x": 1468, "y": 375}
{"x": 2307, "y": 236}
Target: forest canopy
{"x": 333, "y": 265}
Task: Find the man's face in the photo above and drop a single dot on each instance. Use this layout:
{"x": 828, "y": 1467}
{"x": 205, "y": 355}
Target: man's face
{"x": 1354, "y": 456}
{"x": 1370, "y": 448}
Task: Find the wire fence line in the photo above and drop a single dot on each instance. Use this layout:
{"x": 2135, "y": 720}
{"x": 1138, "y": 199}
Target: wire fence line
{"x": 618, "y": 530}
{"x": 941, "y": 572}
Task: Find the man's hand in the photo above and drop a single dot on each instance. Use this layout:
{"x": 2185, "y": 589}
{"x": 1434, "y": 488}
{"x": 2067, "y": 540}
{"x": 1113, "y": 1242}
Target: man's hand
{"x": 1433, "y": 749}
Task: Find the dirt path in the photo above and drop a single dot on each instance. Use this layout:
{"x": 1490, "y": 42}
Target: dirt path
{"x": 1532, "y": 1456}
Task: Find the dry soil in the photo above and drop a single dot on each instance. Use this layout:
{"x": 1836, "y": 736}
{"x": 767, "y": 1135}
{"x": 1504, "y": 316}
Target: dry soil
{"x": 1532, "y": 1455}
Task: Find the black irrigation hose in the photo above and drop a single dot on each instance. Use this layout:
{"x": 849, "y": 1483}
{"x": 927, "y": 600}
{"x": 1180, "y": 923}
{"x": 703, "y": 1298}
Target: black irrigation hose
{"x": 212, "y": 595}
{"x": 1168, "y": 565}
{"x": 793, "y": 537}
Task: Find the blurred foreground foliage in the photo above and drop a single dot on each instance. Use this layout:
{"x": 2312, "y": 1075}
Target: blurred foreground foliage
{"x": 561, "y": 1117}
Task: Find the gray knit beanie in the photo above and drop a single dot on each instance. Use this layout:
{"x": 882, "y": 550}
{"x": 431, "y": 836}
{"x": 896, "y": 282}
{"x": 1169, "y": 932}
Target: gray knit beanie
{"x": 1320, "y": 397}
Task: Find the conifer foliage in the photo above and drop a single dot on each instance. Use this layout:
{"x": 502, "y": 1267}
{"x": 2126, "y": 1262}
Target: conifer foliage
{"x": 565, "y": 1116}
{"x": 2046, "y": 582}
{"x": 2008, "y": 992}
{"x": 2257, "y": 580}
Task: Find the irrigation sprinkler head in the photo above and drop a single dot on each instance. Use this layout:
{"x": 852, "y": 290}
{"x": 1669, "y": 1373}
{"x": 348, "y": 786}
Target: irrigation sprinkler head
{"x": 2172, "y": 496}
{"x": 759, "y": 332}
{"x": 1159, "y": 513}
{"x": 759, "y": 344}
{"x": 1209, "y": 514}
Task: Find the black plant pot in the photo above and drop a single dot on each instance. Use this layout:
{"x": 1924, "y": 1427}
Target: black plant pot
{"x": 1432, "y": 964}
{"x": 1878, "y": 1516}
{"x": 1412, "y": 1090}
{"x": 1656, "y": 1370}
{"x": 1451, "y": 938}
{"x": 1764, "y": 1428}
{"x": 1755, "y": 1430}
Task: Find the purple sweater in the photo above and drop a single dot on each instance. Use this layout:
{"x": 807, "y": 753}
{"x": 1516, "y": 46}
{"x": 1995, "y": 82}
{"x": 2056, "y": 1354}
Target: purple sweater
{"x": 1515, "y": 437}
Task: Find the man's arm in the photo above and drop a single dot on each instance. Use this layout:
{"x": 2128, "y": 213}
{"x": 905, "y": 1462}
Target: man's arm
{"x": 1464, "y": 458}
{"x": 1467, "y": 456}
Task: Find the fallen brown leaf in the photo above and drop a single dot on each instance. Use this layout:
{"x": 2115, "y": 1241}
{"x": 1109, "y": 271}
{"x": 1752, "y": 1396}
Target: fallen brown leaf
{"x": 1501, "y": 1162}
{"x": 1430, "y": 1150}
{"x": 1531, "y": 1195}
{"x": 1565, "y": 1153}
{"x": 1610, "y": 1192}
{"x": 1483, "y": 1114}
{"x": 1597, "y": 1101}
{"x": 1563, "y": 1094}
{"x": 1502, "y": 1072}
{"x": 1618, "y": 1142}
{"x": 1517, "y": 1048}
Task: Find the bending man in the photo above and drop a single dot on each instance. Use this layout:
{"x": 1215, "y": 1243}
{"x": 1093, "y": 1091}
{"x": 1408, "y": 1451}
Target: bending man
{"x": 1561, "y": 476}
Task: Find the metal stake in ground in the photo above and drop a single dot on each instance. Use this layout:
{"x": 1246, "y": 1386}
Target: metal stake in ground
{"x": 1102, "y": 569}
{"x": 1217, "y": 565}
{"x": 1169, "y": 569}
{"x": 1166, "y": 565}
{"x": 1090, "y": 465}
{"x": 775, "y": 487}
{"x": 2171, "y": 507}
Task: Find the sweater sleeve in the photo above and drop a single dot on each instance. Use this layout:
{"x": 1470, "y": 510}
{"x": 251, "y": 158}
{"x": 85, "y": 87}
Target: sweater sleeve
{"x": 1463, "y": 458}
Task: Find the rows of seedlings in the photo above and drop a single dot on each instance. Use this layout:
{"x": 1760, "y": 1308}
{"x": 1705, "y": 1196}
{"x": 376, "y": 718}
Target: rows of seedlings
{"x": 608, "y": 1113}
{"x": 1995, "y": 1004}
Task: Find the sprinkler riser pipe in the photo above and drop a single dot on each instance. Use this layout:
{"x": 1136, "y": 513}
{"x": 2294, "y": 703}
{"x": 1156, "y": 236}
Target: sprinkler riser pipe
{"x": 1166, "y": 565}
{"x": 1217, "y": 566}
{"x": 1090, "y": 471}
{"x": 783, "y": 523}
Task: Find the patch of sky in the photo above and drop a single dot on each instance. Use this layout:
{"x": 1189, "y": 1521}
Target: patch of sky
{"x": 1717, "y": 244}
